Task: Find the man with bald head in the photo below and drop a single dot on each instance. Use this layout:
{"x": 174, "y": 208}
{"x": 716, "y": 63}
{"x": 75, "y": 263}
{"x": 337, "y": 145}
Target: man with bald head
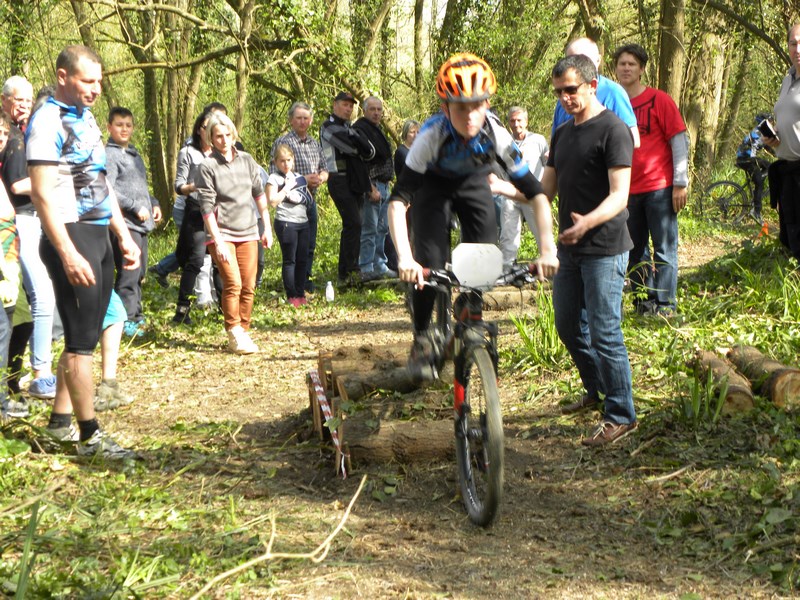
{"x": 784, "y": 173}
{"x": 609, "y": 93}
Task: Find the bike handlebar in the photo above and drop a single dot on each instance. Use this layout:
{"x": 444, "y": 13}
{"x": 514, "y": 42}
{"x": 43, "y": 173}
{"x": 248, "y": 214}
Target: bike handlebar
{"x": 518, "y": 276}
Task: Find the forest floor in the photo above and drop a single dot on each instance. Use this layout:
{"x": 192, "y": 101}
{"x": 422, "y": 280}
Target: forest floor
{"x": 574, "y": 522}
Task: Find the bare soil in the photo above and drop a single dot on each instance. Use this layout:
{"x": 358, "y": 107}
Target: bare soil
{"x": 574, "y": 522}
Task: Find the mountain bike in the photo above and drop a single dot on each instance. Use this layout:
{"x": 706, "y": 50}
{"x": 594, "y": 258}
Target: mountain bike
{"x": 730, "y": 202}
{"x": 460, "y": 334}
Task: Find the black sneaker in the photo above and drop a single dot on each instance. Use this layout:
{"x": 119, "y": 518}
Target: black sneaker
{"x": 310, "y": 287}
{"x": 161, "y": 279}
{"x": 101, "y": 444}
{"x": 182, "y": 316}
{"x": 422, "y": 359}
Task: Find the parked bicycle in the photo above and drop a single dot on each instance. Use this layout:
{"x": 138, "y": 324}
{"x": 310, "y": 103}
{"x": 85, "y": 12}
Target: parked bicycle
{"x": 471, "y": 343}
{"x": 730, "y": 201}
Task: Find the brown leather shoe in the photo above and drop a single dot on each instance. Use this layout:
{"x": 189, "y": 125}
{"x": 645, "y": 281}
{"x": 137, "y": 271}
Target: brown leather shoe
{"x": 585, "y": 403}
{"x": 609, "y": 433}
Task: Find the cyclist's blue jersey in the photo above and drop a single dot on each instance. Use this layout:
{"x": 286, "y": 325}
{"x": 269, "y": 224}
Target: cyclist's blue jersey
{"x": 750, "y": 146}
{"x": 439, "y": 150}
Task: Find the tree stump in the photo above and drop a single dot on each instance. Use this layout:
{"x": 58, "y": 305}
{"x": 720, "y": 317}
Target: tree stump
{"x": 779, "y": 383}
{"x": 739, "y": 396}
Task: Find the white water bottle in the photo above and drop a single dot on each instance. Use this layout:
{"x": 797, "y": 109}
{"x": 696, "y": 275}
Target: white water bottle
{"x": 329, "y": 293}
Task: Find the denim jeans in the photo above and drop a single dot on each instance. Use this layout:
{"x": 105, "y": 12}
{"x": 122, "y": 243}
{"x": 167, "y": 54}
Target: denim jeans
{"x": 651, "y": 215}
{"x": 374, "y": 228}
{"x": 594, "y": 283}
{"x": 293, "y": 238}
{"x": 6, "y": 318}
{"x": 40, "y": 291}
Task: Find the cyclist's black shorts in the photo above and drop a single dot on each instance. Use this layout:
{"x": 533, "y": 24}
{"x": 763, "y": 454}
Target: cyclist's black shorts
{"x": 82, "y": 308}
{"x": 432, "y": 206}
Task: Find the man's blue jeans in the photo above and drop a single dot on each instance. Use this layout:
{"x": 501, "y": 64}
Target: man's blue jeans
{"x": 594, "y": 283}
{"x": 651, "y": 215}
{"x": 374, "y": 228}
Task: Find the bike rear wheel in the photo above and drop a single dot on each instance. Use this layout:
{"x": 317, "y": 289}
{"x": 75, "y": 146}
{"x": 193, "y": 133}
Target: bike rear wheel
{"x": 479, "y": 439}
{"x": 725, "y": 202}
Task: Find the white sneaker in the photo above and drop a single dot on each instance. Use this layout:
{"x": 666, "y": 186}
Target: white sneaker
{"x": 239, "y": 341}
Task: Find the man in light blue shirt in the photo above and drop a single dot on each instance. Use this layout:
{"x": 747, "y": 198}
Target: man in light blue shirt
{"x": 610, "y": 94}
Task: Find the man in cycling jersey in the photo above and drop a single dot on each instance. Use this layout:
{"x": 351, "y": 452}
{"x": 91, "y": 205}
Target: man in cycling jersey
{"x": 755, "y": 166}
{"x": 447, "y": 170}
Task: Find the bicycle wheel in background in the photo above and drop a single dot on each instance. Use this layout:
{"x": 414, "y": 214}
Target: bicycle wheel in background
{"x": 479, "y": 439}
{"x": 724, "y": 202}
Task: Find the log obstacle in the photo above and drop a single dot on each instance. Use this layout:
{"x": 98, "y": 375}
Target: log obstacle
{"x": 739, "y": 395}
{"x": 373, "y": 383}
{"x": 779, "y": 383}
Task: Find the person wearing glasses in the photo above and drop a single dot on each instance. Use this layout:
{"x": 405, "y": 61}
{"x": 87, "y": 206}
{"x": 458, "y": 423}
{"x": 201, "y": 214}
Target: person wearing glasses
{"x": 589, "y": 166}
{"x": 609, "y": 93}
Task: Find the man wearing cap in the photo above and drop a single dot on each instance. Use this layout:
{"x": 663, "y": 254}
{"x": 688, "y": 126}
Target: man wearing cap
{"x": 346, "y": 151}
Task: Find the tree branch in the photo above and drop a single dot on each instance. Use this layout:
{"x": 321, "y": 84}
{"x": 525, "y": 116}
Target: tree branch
{"x": 756, "y": 31}
{"x": 316, "y": 556}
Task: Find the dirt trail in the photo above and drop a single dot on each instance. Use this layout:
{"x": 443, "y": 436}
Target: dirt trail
{"x": 574, "y": 523}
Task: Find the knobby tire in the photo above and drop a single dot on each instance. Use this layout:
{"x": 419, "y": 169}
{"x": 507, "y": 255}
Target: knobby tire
{"x": 479, "y": 440}
{"x": 725, "y": 202}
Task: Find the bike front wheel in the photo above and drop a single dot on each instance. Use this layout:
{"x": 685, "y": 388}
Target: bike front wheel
{"x": 724, "y": 202}
{"x": 479, "y": 439}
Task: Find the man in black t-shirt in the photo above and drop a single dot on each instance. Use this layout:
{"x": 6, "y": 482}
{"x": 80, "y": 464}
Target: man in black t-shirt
{"x": 589, "y": 167}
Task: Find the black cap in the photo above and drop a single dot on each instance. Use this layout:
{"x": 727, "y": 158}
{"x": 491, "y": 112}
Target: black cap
{"x": 346, "y": 96}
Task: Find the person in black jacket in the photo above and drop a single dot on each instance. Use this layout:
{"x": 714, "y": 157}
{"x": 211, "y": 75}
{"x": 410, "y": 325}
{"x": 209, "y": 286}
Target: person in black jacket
{"x": 346, "y": 152}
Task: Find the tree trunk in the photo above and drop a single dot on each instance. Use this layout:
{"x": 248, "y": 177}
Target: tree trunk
{"x": 671, "y": 54}
{"x": 736, "y": 91}
{"x": 243, "y": 62}
{"x": 705, "y": 91}
{"x": 419, "y": 71}
{"x": 87, "y": 39}
{"x": 779, "y": 383}
{"x": 401, "y": 442}
{"x": 739, "y": 395}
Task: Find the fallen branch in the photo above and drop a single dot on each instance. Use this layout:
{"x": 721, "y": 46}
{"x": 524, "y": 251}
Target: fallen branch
{"x": 316, "y": 556}
{"x": 672, "y": 475}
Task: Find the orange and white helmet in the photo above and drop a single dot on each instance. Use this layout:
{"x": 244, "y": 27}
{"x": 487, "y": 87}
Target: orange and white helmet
{"x": 465, "y": 77}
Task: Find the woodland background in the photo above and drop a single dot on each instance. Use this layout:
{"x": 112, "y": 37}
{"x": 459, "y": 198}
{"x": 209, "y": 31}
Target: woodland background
{"x": 721, "y": 60}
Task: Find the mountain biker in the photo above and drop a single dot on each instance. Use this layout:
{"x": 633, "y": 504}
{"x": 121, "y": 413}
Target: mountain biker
{"x": 447, "y": 170}
{"x": 755, "y": 166}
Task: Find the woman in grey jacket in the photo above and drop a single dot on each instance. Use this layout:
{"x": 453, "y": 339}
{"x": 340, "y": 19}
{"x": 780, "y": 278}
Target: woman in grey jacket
{"x": 227, "y": 183}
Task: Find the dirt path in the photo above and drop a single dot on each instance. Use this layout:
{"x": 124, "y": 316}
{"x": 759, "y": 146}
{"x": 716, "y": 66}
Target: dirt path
{"x": 574, "y": 523}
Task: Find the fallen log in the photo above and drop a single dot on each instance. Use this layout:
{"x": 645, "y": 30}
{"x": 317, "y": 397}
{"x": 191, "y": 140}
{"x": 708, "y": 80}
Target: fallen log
{"x": 509, "y": 297}
{"x": 356, "y": 385}
{"x": 776, "y": 381}
{"x": 369, "y": 441}
{"x": 739, "y": 395}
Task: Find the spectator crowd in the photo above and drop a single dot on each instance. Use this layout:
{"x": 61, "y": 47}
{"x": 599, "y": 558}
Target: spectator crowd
{"x": 76, "y": 212}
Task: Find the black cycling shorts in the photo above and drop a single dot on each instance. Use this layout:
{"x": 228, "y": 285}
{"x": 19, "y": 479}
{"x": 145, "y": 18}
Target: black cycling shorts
{"x": 82, "y": 308}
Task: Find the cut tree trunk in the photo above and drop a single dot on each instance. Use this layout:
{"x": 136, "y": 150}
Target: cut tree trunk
{"x": 508, "y": 297}
{"x": 739, "y": 396}
{"x": 779, "y": 383}
{"x": 355, "y": 385}
{"x": 396, "y": 441}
